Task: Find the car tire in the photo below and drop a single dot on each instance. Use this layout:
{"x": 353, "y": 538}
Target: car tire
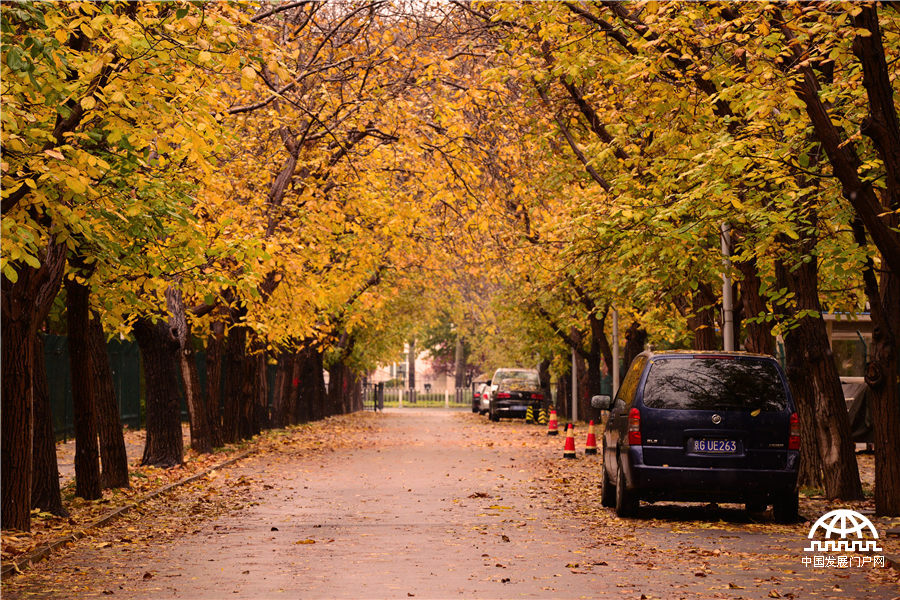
{"x": 786, "y": 508}
{"x": 607, "y": 491}
{"x": 626, "y": 500}
{"x": 492, "y": 415}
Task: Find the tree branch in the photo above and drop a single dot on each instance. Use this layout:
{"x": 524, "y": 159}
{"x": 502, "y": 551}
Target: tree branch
{"x": 565, "y": 131}
{"x": 280, "y": 8}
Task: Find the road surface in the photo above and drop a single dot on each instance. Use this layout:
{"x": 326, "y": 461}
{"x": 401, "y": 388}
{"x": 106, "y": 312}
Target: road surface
{"x": 431, "y": 504}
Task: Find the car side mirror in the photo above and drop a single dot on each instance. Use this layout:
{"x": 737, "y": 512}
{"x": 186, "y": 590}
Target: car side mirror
{"x": 603, "y": 402}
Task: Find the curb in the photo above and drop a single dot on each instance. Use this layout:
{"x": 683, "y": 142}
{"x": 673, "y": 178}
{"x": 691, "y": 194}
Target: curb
{"x": 43, "y": 552}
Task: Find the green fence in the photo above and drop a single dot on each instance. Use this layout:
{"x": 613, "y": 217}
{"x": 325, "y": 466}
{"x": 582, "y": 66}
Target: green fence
{"x": 125, "y": 364}
{"x": 128, "y": 382}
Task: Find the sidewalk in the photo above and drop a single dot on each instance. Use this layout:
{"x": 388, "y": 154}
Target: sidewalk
{"x": 134, "y": 448}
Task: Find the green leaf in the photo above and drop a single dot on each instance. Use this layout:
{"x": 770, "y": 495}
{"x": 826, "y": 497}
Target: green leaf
{"x": 14, "y": 59}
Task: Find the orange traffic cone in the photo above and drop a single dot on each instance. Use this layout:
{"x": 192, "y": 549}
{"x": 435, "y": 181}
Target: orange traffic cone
{"x": 590, "y": 447}
{"x": 551, "y": 425}
{"x": 569, "y": 449}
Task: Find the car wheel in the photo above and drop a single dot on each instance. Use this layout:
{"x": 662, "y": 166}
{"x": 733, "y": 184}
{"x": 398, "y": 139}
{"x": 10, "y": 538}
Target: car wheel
{"x": 492, "y": 415}
{"x": 607, "y": 491}
{"x": 626, "y": 500}
{"x": 786, "y": 508}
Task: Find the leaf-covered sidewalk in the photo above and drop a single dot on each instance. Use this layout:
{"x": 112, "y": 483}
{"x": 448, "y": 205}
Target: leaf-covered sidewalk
{"x": 327, "y": 435}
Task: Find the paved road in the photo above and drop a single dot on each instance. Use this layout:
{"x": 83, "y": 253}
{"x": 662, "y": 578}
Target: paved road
{"x": 437, "y": 504}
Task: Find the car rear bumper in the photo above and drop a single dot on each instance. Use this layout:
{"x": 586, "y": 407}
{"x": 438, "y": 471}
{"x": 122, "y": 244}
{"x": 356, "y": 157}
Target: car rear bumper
{"x": 515, "y": 408}
{"x": 710, "y": 484}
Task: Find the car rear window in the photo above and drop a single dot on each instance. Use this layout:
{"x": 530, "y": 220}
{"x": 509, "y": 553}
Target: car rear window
{"x": 503, "y": 376}
{"x": 520, "y": 384}
{"x": 714, "y": 384}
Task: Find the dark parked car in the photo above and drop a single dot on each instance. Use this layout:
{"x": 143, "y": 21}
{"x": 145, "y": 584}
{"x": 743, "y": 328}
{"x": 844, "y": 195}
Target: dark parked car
{"x": 513, "y": 391}
{"x": 702, "y": 426}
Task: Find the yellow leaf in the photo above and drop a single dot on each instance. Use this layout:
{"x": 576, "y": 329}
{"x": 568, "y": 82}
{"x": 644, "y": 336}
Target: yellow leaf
{"x": 88, "y": 102}
{"x": 76, "y": 185}
{"x": 305, "y": 542}
{"x": 204, "y": 56}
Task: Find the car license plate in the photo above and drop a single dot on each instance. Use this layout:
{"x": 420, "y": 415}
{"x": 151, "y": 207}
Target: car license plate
{"x": 715, "y": 446}
{"x": 519, "y": 407}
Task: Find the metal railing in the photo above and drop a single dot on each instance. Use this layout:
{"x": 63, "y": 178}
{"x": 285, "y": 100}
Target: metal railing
{"x": 376, "y": 396}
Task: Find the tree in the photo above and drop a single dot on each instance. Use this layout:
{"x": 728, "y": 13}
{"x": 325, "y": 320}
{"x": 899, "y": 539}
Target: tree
{"x": 87, "y": 452}
{"x": 79, "y": 129}
{"x": 45, "y": 492}
{"x": 113, "y": 456}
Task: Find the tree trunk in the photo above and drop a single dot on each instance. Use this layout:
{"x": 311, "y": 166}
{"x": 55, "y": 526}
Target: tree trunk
{"x": 337, "y": 387}
{"x": 817, "y": 388}
{"x": 544, "y": 374}
{"x": 164, "y": 446}
{"x": 45, "y": 494}
{"x": 883, "y": 127}
{"x": 582, "y": 397}
{"x": 113, "y": 457}
{"x": 235, "y": 376}
{"x": 759, "y": 334}
{"x": 593, "y": 377}
{"x": 702, "y": 318}
{"x": 354, "y": 392}
{"x": 200, "y": 440}
{"x": 635, "y": 340}
{"x": 84, "y": 385}
{"x": 214, "y": 350}
{"x": 563, "y": 393}
{"x": 281, "y": 413}
{"x": 459, "y": 367}
{"x": 881, "y": 375}
{"x": 411, "y": 364}
{"x": 883, "y": 394}
{"x": 249, "y": 395}
{"x": 16, "y": 415}
{"x": 312, "y": 393}
{"x": 24, "y": 306}
{"x": 300, "y": 411}
{"x": 261, "y": 418}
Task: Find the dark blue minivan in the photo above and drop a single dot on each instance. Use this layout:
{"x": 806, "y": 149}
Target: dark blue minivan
{"x": 702, "y": 426}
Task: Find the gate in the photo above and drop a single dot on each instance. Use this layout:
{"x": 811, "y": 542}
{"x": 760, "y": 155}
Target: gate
{"x": 373, "y": 396}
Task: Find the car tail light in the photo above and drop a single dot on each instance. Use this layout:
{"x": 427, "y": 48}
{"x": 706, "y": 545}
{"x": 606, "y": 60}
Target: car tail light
{"x": 503, "y": 396}
{"x": 634, "y": 427}
{"x": 794, "y": 439}
{"x": 537, "y": 396}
